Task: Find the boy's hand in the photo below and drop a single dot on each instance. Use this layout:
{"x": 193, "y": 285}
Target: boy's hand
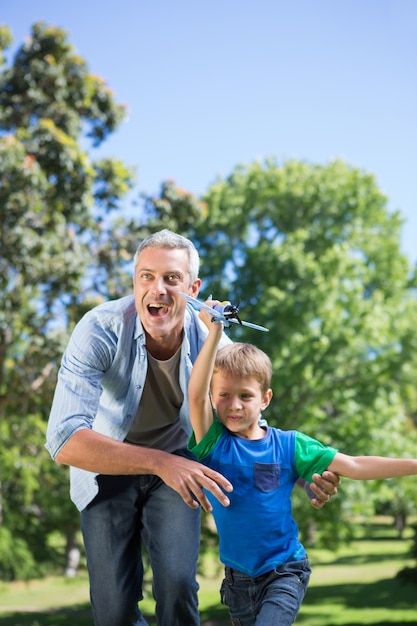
{"x": 207, "y": 318}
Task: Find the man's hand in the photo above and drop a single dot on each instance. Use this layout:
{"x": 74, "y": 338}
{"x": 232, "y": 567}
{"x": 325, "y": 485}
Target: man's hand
{"x": 190, "y": 478}
{"x": 95, "y": 452}
{"x": 322, "y": 489}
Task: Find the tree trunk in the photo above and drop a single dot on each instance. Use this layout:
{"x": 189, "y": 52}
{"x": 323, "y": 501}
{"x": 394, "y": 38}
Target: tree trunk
{"x": 72, "y": 555}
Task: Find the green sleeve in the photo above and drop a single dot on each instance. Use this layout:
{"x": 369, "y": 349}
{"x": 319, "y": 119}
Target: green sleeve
{"x": 206, "y": 445}
{"x": 311, "y": 456}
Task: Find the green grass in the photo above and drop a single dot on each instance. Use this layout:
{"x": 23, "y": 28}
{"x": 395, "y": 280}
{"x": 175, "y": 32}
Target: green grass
{"x": 357, "y": 585}
{"x": 354, "y": 587}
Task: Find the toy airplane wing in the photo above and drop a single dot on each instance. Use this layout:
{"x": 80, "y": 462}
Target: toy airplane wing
{"x": 218, "y": 314}
{"x": 249, "y": 325}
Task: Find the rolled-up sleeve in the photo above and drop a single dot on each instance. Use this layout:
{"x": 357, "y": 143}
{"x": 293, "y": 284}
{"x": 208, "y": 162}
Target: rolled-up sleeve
{"x": 78, "y": 388}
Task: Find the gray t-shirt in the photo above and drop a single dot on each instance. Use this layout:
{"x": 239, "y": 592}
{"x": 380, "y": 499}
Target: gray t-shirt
{"x": 156, "y": 424}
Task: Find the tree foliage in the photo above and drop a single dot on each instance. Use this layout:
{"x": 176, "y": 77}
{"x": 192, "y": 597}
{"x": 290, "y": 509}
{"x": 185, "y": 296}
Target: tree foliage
{"x": 310, "y": 251}
{"x": 313, "y": 253}
{"x": 50, "y": 105}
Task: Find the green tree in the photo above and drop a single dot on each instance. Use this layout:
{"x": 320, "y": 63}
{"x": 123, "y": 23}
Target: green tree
{"x": 55, "y": 233}
{"x": 310, "y": 251}
{"x": 313, "y": 253}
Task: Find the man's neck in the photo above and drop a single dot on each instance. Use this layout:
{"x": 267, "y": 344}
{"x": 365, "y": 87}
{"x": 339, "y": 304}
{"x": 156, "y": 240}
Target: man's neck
{"x": 163, "y": 348}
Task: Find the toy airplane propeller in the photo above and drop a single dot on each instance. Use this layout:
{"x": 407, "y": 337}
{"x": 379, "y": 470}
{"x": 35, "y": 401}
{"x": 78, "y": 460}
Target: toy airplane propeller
{"x": 225, "y": 312}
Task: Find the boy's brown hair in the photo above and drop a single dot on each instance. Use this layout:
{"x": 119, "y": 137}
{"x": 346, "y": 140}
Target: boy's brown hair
{"x": 245, "y": 360}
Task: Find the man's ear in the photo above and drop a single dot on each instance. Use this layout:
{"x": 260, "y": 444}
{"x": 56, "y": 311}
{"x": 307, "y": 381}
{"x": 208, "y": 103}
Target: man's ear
{"x": 195, "y": 288}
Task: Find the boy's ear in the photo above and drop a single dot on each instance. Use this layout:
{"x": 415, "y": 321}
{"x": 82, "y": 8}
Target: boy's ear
{"x": 267, "y": 399}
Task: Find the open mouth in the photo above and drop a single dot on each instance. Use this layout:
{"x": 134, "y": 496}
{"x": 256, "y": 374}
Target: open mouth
{"x": 157, "y": 310}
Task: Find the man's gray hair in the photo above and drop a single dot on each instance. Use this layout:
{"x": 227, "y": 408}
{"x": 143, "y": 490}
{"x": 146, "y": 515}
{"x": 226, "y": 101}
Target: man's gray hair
{"x": 167, "y": 239}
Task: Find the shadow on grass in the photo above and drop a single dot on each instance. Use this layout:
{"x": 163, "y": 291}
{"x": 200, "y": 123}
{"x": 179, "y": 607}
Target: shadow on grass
{"x": 389, "y": 594}
{"x": 81, "y": 616}
{"x": 75, "y": 616}
{"x": 360, "y": 559}
{"x": 216, "y": 615}
{"x": 386, "y": 594}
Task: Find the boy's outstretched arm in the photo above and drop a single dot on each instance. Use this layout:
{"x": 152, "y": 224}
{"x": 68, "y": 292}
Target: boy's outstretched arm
{"x": 372, "y": 467}
{"x": 201, "y": 412}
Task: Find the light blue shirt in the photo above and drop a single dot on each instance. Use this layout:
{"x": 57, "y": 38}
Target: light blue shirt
{"x": 101, "y": 380}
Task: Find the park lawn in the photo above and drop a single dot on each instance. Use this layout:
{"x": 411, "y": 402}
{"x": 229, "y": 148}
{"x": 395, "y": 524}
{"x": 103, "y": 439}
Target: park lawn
{"x": 354, "y": 587}
{"x": 359, "y": 587}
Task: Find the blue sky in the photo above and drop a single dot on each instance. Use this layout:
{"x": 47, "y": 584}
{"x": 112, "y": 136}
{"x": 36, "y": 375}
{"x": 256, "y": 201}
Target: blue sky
{"x": 211, "y": 85}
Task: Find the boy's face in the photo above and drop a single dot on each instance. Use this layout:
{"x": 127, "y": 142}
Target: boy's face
{"x": 238, "y": 403}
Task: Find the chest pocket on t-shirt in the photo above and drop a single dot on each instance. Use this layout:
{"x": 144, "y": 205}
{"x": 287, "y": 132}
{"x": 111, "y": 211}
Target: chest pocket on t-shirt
{"x": 266, "y": 476}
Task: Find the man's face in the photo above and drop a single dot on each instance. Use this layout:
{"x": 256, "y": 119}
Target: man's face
{"x": 160, "y": 274}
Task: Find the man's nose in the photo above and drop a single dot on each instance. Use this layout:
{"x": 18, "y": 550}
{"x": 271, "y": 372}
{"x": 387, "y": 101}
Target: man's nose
{"x": 158, "y": 286}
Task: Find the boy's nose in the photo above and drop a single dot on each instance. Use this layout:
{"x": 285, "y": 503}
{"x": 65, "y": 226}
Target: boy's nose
{"x": 235, "y": 402}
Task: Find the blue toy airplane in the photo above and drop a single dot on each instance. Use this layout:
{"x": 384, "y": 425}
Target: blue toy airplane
{"x": 225, "y": 312}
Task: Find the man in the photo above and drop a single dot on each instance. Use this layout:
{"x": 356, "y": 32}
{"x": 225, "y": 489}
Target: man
{"x": 120, "y": 420}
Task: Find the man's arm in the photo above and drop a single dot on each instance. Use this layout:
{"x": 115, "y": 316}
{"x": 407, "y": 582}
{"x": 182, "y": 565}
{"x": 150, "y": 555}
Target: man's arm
{"x": 71, "y": 440}
{"x": 94, "y": 452}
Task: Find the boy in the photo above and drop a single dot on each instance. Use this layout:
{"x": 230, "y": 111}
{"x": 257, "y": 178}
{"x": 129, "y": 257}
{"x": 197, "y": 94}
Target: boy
{"x": 266, "y": 567}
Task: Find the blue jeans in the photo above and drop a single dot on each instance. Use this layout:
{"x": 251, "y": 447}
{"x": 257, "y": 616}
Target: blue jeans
{"x": 273, "y": 598}
{"x": 128, "y": 512}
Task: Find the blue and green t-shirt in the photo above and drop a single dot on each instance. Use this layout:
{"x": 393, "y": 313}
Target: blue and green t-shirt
{"x": 257, "y": 532}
